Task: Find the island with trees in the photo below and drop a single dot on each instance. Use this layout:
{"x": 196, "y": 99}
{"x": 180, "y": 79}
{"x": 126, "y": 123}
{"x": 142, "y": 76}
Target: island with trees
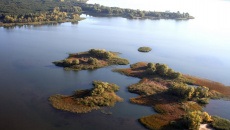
{"x": 84, "y": 101}
{"x": 34, "y": 12}
{"x": 92, "y": 59}
{"x": 178, "y": 99}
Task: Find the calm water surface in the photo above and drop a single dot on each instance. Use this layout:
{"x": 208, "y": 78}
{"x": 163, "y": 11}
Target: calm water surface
{"x": 199, "y": 47}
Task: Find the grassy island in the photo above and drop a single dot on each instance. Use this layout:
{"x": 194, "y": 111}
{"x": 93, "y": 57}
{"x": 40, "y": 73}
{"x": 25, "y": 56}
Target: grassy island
{"x": 91, "y": 59}
{"x": 144, "y": 49}
{"x": 83, "y": 101}
{"x": 177, "y": 98}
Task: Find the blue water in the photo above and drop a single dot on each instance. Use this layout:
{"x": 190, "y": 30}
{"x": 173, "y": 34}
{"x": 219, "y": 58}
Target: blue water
{"x": 198, "y": 47}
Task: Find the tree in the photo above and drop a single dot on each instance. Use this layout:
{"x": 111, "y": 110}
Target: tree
{"x": 151, "y": 65}
{"x": 201, "y": 92}
{"x": 206, "y": 117}
{"x": 193, "y": 120}
{"x": 161, "y": 69}
{"x": 92, "y": 61}
{"x": 9, "y": 19}
{"x": 182, "y": 91}
{"x": 172, "y": 74}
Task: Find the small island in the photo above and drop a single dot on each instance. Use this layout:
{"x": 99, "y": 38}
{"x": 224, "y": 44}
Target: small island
{"x": 92, "y": 59}
{"x": 144, "y": 49}
{"x": 178, "y": 99}
{"x": 84, "y": 101}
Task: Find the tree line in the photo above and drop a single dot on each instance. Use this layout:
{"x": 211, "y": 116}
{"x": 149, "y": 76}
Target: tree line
{"x": 26, "y": 11}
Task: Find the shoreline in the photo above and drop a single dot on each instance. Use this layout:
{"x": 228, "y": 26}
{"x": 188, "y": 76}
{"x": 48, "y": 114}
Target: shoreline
{"x": 171, "y": 97}
{"x": 8, "y": 25}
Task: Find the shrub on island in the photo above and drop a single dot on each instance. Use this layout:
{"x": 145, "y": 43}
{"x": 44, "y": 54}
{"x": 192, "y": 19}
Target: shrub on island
{"x": 83, "y": 101}
{"x": 193, "y": 119}
{"x": 162, "y": 70}
{"x": 199, "y": 94}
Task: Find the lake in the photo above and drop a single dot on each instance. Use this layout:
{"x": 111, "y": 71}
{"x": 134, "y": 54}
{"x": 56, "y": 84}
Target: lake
{"x": 199, "y": 47}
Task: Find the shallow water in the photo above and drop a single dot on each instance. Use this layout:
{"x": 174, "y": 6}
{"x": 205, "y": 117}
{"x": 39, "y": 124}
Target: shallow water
{"x": 28, "y": 76}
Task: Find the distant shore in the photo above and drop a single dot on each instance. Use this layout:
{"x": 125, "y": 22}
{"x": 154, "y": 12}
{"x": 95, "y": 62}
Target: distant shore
{"x": 67, "y": 11}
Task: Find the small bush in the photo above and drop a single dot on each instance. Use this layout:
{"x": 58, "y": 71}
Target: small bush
{"x": 173, "y": 75}
{"x": 200, "y": 94}
{"x": 162, "y": 69}
{"x": 92, "y": 61}
{"x": 193, "y": 119}
{"x": 181, "y": 90}
{"x": 150, "y": 71}
{"x": 151, "y": 65}
{"x": 101, "y": 53}
{"x": 75, "y": 62}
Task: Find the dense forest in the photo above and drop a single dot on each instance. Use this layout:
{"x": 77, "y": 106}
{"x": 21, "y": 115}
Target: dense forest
{"x": 37, "y": 11}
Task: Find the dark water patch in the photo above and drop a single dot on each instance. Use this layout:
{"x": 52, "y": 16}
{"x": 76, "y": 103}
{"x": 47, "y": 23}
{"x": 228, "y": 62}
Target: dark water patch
{"x": 218, "y": 107}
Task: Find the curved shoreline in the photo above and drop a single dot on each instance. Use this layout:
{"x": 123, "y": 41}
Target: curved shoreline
{"x": 160, "y": 92}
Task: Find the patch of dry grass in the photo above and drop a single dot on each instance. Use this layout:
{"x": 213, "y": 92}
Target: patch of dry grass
{"x": 147, "y": 87}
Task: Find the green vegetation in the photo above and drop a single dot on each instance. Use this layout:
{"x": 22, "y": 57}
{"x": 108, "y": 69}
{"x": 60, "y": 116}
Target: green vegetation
{"x": 21, "y": 12}
{"x": 35, "y": 13}
{"x": 83, "y": 101}
{"x": 217, "y": 90}
{"x": 194, "y": 118}
{"x": 144, "y": 49}
{"x": 220, "y": 123}
{"x": 179, "y": 105}
{"x": 100, "y": 10}
{"x": 91, "y": 59}
{"x": 143, "y": 70}
{"x": 184, "y": 92}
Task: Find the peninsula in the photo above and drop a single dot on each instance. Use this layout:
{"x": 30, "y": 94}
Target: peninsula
{"x": 177, "y": 98}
